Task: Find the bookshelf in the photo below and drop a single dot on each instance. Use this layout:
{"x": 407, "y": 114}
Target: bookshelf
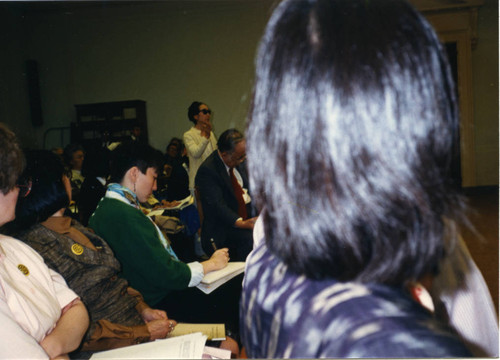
{"x": 116, "y": 119}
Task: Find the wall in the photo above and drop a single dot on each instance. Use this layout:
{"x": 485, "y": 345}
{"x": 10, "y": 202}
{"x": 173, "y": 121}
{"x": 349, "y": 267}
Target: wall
{"x": 486, "y": 97}
{"x": 168, "y": 54}
{"x": 13, "y": 90}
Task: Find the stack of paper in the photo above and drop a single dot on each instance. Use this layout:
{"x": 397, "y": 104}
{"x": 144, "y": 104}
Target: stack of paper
{"x": 214, "y": 279}
{"x": 216, "y": 353}
{"x": 182, "y": 347}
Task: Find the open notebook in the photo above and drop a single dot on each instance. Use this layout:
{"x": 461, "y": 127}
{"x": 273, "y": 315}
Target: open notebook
{"x": 214, "y": 279}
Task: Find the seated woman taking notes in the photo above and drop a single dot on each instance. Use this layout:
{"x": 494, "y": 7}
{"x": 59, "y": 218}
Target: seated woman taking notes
{"x": 148, "y": 262}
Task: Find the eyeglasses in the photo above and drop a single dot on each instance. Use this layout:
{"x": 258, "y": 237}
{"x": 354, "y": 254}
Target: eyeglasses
{"x": 206, "y": 111}
{"x": 25, "y": 187}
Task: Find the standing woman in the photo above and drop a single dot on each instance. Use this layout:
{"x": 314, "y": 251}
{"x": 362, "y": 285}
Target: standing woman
{"x": 355, "y": 114}
{"x": 200, "y": 141}
{"x": 40, "y": 316}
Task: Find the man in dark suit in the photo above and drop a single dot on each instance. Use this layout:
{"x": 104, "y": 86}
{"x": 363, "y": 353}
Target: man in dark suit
{"x": 222, "y": 182}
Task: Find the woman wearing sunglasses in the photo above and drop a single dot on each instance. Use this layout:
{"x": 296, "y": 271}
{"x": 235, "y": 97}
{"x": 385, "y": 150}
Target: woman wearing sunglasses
{"x": 41, "y": 317}
{"x": 200, "y": 141}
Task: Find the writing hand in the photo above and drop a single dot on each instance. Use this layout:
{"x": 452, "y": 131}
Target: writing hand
{"x": 218, "y": 260}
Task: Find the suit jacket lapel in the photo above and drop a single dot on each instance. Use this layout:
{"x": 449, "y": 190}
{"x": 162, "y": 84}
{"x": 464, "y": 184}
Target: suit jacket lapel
{"x": 221, "y": 169}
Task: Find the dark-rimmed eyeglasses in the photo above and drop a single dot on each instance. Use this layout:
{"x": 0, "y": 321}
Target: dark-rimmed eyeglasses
{"x": 206, "y": 111}
{"x": 25, "y": 187}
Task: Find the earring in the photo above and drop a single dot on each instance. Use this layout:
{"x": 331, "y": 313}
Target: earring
{"x": 134, "y": 187}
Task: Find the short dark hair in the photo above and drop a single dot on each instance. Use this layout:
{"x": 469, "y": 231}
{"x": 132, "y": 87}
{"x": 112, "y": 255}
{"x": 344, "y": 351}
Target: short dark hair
{"x": 229, "y": 139}
{"x": 48, "y": 193}
{"x": 68, "y": 152}
{"x": 354, "y": 112}
{"x": 11, "y": 159}
{"x": 194, "y": 109}
{"x": 128, "y": 155}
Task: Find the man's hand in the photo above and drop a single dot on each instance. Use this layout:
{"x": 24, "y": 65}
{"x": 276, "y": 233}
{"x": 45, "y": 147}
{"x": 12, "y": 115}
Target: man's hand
{"x": 246, "y": 224}
{"x": 159, "y": 329}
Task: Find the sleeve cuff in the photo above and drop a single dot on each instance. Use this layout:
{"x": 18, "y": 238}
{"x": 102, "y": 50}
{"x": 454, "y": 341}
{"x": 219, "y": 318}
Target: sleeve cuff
{"x": 197, "y": 273}
{"x": 141, "y": 334}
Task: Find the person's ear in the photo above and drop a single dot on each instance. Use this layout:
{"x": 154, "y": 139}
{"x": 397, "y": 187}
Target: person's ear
{"x": 134, "y": 173}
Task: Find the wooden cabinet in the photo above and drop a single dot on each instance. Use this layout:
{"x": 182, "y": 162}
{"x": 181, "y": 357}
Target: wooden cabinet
{"x": 110, "y": 121}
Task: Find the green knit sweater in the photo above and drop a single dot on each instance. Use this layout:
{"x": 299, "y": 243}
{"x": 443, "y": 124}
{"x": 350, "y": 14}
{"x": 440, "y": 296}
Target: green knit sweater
{"x": 146, "y": 264}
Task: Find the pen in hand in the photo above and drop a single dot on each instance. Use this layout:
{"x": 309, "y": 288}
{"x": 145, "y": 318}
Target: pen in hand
{"x": 213, "y": 244}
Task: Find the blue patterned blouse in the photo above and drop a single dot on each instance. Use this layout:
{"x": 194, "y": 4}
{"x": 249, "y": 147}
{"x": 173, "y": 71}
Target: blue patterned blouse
{"x": 285, "y": 315}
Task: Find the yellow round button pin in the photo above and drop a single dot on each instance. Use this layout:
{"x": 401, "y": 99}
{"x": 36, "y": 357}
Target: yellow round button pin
{"x": 23, "y": 269}
{"x": 77, "y": 249}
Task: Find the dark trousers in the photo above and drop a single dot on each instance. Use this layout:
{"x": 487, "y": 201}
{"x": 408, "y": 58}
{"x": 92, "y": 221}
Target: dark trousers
{"x": 239, "y": 243}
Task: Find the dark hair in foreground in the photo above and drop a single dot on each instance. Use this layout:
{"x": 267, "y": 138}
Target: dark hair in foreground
{"x": 194, "y": 109}
{"x": 128, "y": 155}
{"x": 11, "y": 159}
{"x": 47, "y": 195}
{"x": 228, "y": 140}
{"x": 355, "y": 114}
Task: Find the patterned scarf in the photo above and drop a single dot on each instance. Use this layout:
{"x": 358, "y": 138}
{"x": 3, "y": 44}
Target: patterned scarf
{"x": 118, "y": 192}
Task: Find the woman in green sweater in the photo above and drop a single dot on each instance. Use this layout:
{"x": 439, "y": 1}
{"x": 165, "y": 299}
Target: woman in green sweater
{"x": 148, "y": 262}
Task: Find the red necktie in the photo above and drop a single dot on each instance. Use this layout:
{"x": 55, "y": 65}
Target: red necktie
{"x": 238, "y": 193}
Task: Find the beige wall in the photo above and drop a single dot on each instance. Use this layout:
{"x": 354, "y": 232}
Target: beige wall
{"x": 486, "y": 97}
{"x": 172, "y": 53}
{"x": 168, "y": 54}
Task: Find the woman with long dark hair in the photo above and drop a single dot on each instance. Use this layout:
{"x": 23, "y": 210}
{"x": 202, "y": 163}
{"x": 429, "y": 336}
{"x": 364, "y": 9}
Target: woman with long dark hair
{"x": 355, "y": 115}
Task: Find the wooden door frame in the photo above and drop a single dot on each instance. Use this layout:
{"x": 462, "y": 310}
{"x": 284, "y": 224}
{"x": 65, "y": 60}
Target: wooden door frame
{"x": 460, "y": 26}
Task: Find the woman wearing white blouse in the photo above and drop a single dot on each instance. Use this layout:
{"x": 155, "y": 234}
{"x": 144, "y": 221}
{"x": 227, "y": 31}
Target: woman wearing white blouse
{"x": 41, "y": 317}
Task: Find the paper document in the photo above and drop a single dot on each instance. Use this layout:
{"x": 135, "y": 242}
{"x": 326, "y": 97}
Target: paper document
{"x": 214, "y": 279}
{"x": 181, "y": 205}
{"x": 182, "y": 347}
{"x": 214, "y": 332}
{"x": 216, "y": 353}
